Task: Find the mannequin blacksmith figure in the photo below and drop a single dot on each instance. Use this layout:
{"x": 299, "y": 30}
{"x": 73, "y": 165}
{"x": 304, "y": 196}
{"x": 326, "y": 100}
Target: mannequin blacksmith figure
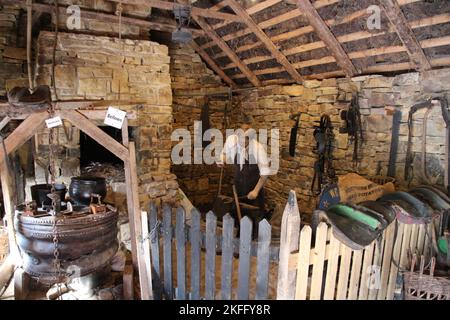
{"x": 251, "y": 165}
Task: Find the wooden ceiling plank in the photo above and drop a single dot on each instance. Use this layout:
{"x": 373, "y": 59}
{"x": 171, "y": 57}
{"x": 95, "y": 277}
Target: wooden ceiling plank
{"x": 276, "y": 53}
{"x": 209, "y": 31}
{"x": 166, "y": 5}
{"x": 324, "y": 33}
{"x": 212, "y": 64}
{"x": 405, "y": 33}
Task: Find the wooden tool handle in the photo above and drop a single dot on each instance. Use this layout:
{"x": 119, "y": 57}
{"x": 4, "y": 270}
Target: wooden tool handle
{"x": 220, "y": 182}
{"x": 236, "y": 199}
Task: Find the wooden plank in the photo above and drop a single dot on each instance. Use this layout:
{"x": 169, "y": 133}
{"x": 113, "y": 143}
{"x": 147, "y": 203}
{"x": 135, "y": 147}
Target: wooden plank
{"x": 227, "y": 256}
{"x": 263, "y": 260}
{"x": 303, "y": 263}
{"x": 324, "y": 33}
{"x": 333, "y": 259}
{"x": 230, "y": 53}
{"x": 4, "y": 122}
{"x": 167, "y": 248}
{"x": 421, "y": 239}
{"x": 181, "y": 254}
{"x": 82, "y": 123}
{"x": 275, "y": 52}
{"x": 405, "y": 246}
{"x": 289, "y": 240}
{"x": 367, "y": 264}
{"x": 342, "y": 285}
{"x": 145, "y": 280}
{"x": 387, "y": 259}
{"x": 212, "y": 64}
{"x": 377, "y": 259}
{"x": 125, "y": 137}
{"x": 318, "y": 262}
{"x": 154, "y": 24}
{"x": 244, "y": 258}
{"x": 195, "y": 11}
{"x": 210, "y": 269}
{"x": 413, "y": 240}
{"x": 154, "y": 250}
{"x": 355, "y": 275}
{"x": 406, "y": 35}
{"x": 395, "y": 260}
{"x": 195, "y": 254}
{"x": 146, "y": 248}
{"x": 128, "y": 283}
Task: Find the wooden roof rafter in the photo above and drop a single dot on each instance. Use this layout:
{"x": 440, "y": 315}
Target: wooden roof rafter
{"x": 276, "y": 53}
{"x": 209, "y": 31}
{"x": 406, "y": 35}
{"x": 325, "y": 34}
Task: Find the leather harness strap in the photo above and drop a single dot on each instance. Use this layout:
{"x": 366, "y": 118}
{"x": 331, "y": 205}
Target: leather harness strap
{"x": 323, "y": 135}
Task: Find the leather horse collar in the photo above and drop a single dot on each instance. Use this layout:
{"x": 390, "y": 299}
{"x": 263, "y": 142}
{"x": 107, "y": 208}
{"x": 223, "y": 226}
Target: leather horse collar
{"x": 409, "y": 209}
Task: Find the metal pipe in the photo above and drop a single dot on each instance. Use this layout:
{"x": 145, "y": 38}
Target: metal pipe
{"x": 29, "y": 35}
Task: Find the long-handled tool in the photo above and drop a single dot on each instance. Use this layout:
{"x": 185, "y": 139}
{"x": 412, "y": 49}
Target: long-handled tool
{"x": 236, "y": 199}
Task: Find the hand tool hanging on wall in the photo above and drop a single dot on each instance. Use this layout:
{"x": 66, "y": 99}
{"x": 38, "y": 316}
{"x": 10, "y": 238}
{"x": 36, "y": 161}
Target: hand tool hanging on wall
{"x": 204, "y": 118}
{"x": 429, "y": 104}
{"x": 323, "y": 168}
{"x": 396, "y": 119}
{"x": 353, "y": 126}
{"x": 293, "y": 137}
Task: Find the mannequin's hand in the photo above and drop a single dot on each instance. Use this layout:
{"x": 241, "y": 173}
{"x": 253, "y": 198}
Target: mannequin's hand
{"x": 252, "y": 195}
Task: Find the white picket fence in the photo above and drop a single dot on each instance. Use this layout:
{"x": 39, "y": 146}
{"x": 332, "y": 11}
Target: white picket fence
{"x": 332, "y": 271}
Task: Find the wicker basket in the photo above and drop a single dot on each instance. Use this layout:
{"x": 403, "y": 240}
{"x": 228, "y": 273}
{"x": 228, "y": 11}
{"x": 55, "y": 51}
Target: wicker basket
{"x": 420, "y": 286}
{"x": 4, "y": 244}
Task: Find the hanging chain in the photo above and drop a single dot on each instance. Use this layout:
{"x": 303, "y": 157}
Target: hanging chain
{"x": 54, "y": 195}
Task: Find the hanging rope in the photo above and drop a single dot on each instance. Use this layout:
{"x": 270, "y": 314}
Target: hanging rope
{"x": 29, "y": 35}
{"x": 54, "y": 48}
{"x": 119, "y": 10}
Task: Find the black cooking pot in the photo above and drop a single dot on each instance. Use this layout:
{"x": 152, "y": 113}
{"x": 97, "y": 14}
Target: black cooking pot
{"x": 39, "y": 193}
{"x": 81, "y": 188}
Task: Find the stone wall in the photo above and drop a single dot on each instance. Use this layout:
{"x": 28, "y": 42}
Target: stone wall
{"x": 13, "y": 68}
{"x": 135, "y": 72}
{"x": 191, "y": 82}
{"x": 272, "y": 106}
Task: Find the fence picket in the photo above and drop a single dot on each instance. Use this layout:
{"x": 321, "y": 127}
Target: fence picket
{"x": 333, "y": 258}
{"x": 413, "y": 240}
{"x": 167, "y": 226}
{"x": 210, "y": 269}
{"x": 263, "y": 260}
{"x": 344, "y": 268}
{"x": 146, "y": 247}
{"x": 290, "y": 229}
{"x": 405, "y": 246}
{"x": 367, "y": 263}
{"x": 244, "y": 258}
{"x": 387, "y": 258}
{"x": 154, "y": 245}
{"x": 355, "y": 275}
{"x": 395, "y": 260}
{"x": 227, "y": 256}
{"x": 319, "y": 259}
{"x": 195, "y": 235}
{"x": 303, "y": 263}
{"x": 181, "y": 254}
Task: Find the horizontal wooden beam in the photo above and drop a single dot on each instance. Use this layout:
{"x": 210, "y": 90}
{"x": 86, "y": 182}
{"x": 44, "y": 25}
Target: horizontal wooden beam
{"x": 398, "y": 20}
{"x": 264, "y": 39}
{"x": 166, "y": 5}
{"x": 154, "y": 24}
{"x": 225, "y": 48}
{"x": 212, "y": 64}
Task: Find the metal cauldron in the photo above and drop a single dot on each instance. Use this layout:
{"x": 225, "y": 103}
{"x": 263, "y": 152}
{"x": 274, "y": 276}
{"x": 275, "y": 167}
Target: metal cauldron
{"x": 81, "y": 189}
{"x": 86, "y": 243}
{"x": 39, "y": 193}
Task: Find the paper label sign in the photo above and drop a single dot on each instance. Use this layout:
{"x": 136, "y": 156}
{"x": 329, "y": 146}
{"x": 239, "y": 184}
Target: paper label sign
{"x": 115, "y": 117}
{"x": 53, "y": 122}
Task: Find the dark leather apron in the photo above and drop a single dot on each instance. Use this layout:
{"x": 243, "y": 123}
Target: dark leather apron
{"x": 246, "y": 180}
